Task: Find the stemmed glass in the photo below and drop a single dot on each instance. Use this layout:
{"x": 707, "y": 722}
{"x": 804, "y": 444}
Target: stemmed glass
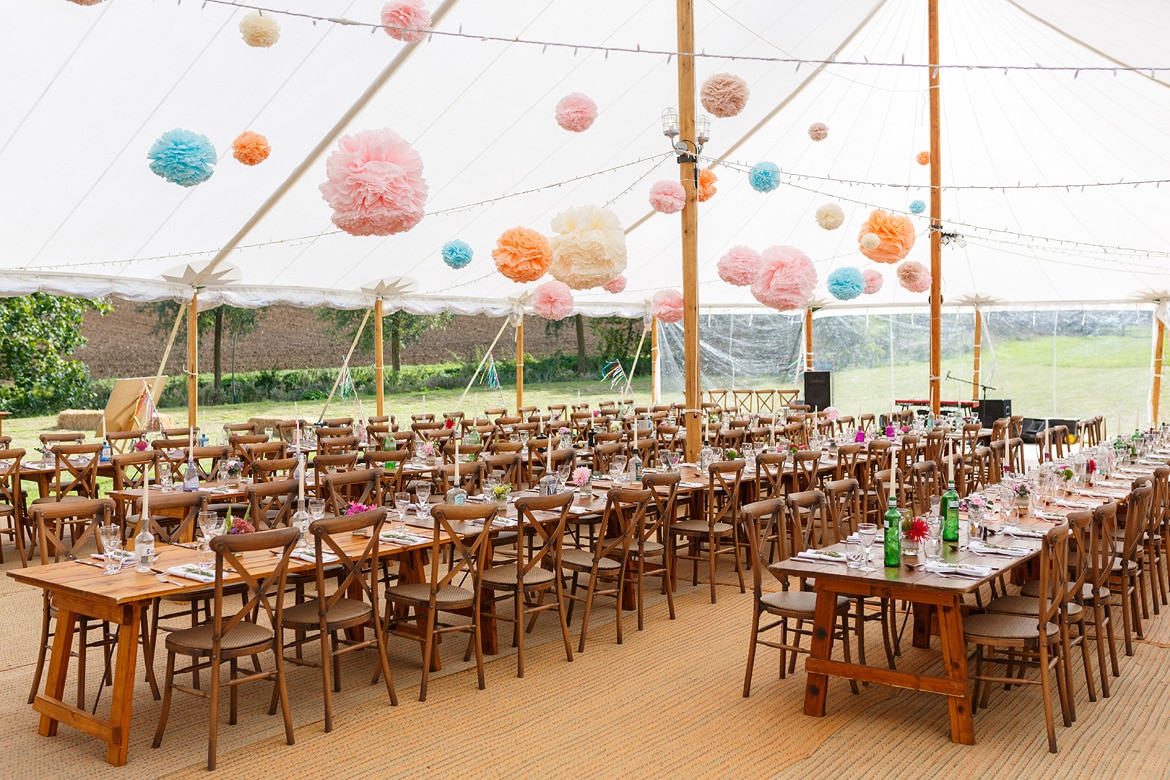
{"x": 617, "y": 468}
{"x": 210, "y": 525}
{"x": 163, "y": 472}
{"x": 867, "y": 533}
{"x": 401, "y": 504}
{"x": 422, "y": 492}
{"x": 317, "y": 508}
{"x": 111, "y": 541}
{"x": 562, "y": 477}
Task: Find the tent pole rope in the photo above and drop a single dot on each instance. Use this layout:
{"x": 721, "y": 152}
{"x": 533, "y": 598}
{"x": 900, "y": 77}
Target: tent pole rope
{"x": 171, "y": 341}
{"x": 483, "y": 360}
{"x": 637, "y": 354}
{"x": 344, "y": 365}
{"x": 343, "y": 121}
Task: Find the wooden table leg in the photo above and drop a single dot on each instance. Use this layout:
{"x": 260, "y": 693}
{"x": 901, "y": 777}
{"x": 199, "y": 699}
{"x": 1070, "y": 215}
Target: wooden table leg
{"x": 954, "y": 650}
{"x": 123, "y": 694}
{"x": 58, "y": 667}
{"x": 816, "y": 685}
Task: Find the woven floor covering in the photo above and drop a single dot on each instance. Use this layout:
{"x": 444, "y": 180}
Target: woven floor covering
{"x": 665, "y": 703}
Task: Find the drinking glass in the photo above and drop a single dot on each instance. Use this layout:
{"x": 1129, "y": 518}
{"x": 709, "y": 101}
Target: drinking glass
{"x": 111, "y": 541}
{"x": 853, "y": 553}
{"x": 619, "y": 462}
{"x": 422, "y": 492}
{"x": 401, "y": 504}
{"x": 317, "y": 508}
{"x": 562, "y": 476}
{"x": 867, "y": 533}
{"x": 935, "y": 505}
{"x": 163, "y": 472}
{"x": 616, "y": 473}
{"x": 932, "y": 545}
{"x": 211, "y": 526}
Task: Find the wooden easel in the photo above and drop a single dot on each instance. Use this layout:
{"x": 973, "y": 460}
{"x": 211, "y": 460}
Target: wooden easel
{"x": 126, "y": 409}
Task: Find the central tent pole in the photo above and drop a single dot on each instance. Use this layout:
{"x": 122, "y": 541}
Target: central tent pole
{"x": 193, "y": 360}
{"x": 935, "y": 217}
{"x": 975, "y": 374}
{"x": 808, "y": 336}
{"x": 520, "y": 363}
{"x": 379, "y": 360}
{"x": 690, "y": 223}
{"x": 654, "y": 390}
{"x": 1159, "y": 341}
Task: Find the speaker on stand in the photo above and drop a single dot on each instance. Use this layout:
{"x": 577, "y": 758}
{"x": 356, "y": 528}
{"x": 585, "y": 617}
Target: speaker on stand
{"x": 818, "y": 392}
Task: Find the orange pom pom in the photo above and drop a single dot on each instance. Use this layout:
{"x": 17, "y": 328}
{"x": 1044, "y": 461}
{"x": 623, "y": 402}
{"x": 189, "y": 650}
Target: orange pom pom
{"x": 707, "y": 179}
{"x": 250, "y": 148}
{"x": 895, "y": 237}
{"x": 924, "y": 158}
{"x": 522, "y": 254}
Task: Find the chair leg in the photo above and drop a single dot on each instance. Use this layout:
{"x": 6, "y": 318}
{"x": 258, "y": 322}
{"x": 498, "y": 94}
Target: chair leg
{"x": 588, "y": 609}
{"x": 667, "y": 586}
{"x": 233, "y": 690}
{"x": 326, "y": 681}
{"x": 711, "y": 545}
{"x": 517, "y": 634}
{"x": 213, "y": 696}
{"x": 46, "y": 616}
{"x": 1126, "y": 614}
{"x": 477, "y": 632}
{"x": 1066, "y": 679}
{"x": 751, "y": 659}
{"x": 166, "y": 702}
{"x": 564, "y": 623}
{"x": 428, "y": 642}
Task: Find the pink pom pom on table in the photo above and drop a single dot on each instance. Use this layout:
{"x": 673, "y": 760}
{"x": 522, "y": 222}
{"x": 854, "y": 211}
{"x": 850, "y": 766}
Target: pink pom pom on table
{"x": 739, "y": 266}
{"x": 667, "y": 305}
{"x": 873, "y": 281}
{"x": 724, "y": 95}
{"x": 374, "y": 184}
{"x": 553, "y": 300}
{"x": 576, "y": 112}
{"x": 408, "y": 14}
{"x": 667, "y": 197}
{"x": 785, "y": 279}
{"x": 914, "y": 277}
{"x": 615, "y": 285}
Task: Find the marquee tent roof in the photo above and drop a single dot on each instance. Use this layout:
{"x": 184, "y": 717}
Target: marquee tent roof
{"x": 89, "y": 89}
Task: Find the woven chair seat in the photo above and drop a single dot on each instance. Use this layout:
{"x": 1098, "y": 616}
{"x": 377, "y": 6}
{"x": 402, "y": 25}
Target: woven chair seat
{"x": 649, "y": 549}
{"x": 500, "y": 576}
{"x": 582, "y": 560}
{"x": 1024, "y": 605}
{"x": 699, "y": 527}
{"x": 792, "y": 601}
{"x": 204, "y": 594}
{"x": 345, "y": 612}
{"x": 1032, "y": 588}
{"x": 197, "y": 641}
{"x": 987, "y": 628}
{"x": 420, "y": 593}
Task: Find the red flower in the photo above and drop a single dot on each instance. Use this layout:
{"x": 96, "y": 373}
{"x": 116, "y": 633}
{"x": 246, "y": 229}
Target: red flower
{"x": 915, "y": 530}
{"x": 449, "y": 423}
{"x": 1091, "y": 466}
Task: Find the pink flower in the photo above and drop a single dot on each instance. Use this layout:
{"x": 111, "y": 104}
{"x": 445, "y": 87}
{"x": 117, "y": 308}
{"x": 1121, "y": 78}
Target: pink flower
{"x": 581, "y": 476}
{"x": 354, "y": 508}
{"x": 141, "y": 445}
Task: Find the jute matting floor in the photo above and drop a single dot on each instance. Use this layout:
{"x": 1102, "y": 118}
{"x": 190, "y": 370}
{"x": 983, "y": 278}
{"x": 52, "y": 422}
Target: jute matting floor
{"x": 667, "y": 702}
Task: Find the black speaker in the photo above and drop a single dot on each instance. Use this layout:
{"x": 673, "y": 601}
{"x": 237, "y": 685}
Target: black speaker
{"x": 818, "y": 392}
{"x": 992, "y": 409}
{"x": 1034, "y": 427}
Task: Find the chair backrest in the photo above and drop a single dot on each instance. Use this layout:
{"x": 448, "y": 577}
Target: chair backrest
{"x": 10, "y": 492}
{"x": 1081, "y": 542}
{"x": 723, "y": 494}
{"x": 48, "y": 439}
{"x": 123, "y": 441}
{"x": 359, "y": 486}
{"x": 625, "y": 513}
{"x": 239, "y": 442}
{"x": 923, "y": 485}
{"x": 935, "y": 446}
{"x": 274, "y": 470}
{"x": 879, "y": 455}
{"x": 867, "y": 422}
{"x": 543, "y": 519}
{"x": 468, "y": 551}
{"x": 1137, "y": 519}
{"x": 333, "y": 464}
{"x": 970, "y": 435}
{"x": 242, "y": 428}
{"x": 603, "y": 455}
{"x": 130, "y": 469}
{"x": 843, "y": 505}
{"x": 166, "y": 528}
{"x": 819, "y": 530}
{"x": 333, "y": 445}
{"x": 908, "y": 452}
{"x": 470, "y": 477}
{"x": 264, "y": 591}
{"x": 770, "y": 471}
{"x": 286, "y": 430}
{"x": 207, "y": 460}
{"x": 332, "y": 431}
{"x": 1160, "y": 499}
{"x": 762, "y": 519}
{"x": 351, "y": 572}
{"x": 999, "y": 429}
{"x": 51, "y": 519}
{"x": 272, "y": 504}
{"x": 1103, "y": 546}
{"x": 663, "y": 487}
{"x": 504, "y": 466}
{"x": 76, "y": 477}
{"x": 848, "y": 461}
{"x": 391, "y": 463}
{"x": 1053, "y": 594}
{"x": 805, "y": 474}
{"x": 180, "y": 433}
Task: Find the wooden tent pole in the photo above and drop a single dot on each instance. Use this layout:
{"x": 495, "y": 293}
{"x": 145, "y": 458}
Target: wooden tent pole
{"x": 379, "y": 361}
{"x": 520, "y": 363}
{"x": 193, "y": 360}
{"x": 654, "y": 389}
{"x": 162, "y": 364}
{"x": 1159, "y": 339}
{"x": 688, "y": 174}
{"x": 935, "y": 216}
{"x": 975, "y": 374}
{"x": 808, "y": 336}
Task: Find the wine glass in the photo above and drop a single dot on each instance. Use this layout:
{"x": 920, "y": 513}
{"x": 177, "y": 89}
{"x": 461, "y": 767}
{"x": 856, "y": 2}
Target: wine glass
{"x": 867, "y": 533}
{"x": 210, "y": 525}
{"x": 422, "y": 492}
{"x": 401, "y": 504}
{"x": 618, "y": 465}
{"x": 163, "y": 472}
{"x": 317, "y": 508}
{"x": 562, "y": 476}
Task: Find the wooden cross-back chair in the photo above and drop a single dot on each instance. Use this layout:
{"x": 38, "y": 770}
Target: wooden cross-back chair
{"x": 719, "y": 530}
{"x": 172, "y": 515}
{"x": 251, "y": 454}
{"x": 124, "y": 441}
{"x": 12, "y": 504}
{"x": 805, "y": 472}
{"x": 50, "y": 439}
{"x": 336, "y": 445}
{"x": 652, "y": 551}
{"x": 470, "y": 477}
{"x": 770, "y": 472}
{"x": 391, "y": 463}
{"x": 272, "y": 503}
{"x": 274, "y": 470}
{"x": 74, "y": 480}
{"x": 324, "y": 465}
{"x": 504, "y": 466}
{"x": 359, "y": 486}
{"x": 239, "y": 443}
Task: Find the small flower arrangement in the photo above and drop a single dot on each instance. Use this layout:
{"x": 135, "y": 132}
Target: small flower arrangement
{"x": 793, "y": 449}
{"x": 354, "y": 508}
{"x": 973, "y": 501}
{"x": 239, "y": 525}
{"x": 449, "y": 423}
{"x": 1066, "y": 474}
{"x": 235, "y": 467}
{"x": 581, "y": 476}
{"x": 832, "y": 414}
{"x": 915, "y": 529}
{"x": 730, "y": 454}
{"x": 501, "y": 491}
{"x": 141, "y": 445}
{"x": 428, "y": 450}
{"x": 1021, "y": 489}
{"x": 1091, "y": 466}
{"x": 563, "y": 431}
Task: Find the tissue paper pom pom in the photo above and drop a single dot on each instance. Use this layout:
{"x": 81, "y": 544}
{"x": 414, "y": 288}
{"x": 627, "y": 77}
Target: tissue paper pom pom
{"x": 917, "y": 207}
{"x": 374, "y": 184}
{"x": 818, "y": 131}
{"x": 259, "y": 31}
{"x": 615, "y": 285}
{"x": 915, "y": 277}
{"x": 409, "y": 15}
{"x": 830, "y": 216}
{"x": 85, "y": 2}
{"x": 522, "y": 254}
{"x": 764, "y": 176}
{"x": 456, "y": 254}
{"x": 668, "y": 197}
{"x": 894, "y": 233}
{"x": 576, "y": 112}
{"x": 785, "y": 278}
{"x": 667, "y": 305}
{"x": 553, "y": 300}
{"x": 590, "y": 248}
{"x": 183, "y": 157}
{"x": 923, "y": 158}
{"x": 847, "y": 283}
{"x": 873, "y": 281}
{"x": 739, "y": 266}
{"x": 724, "y": 94}
{"x": 250, "y": 148}
{"x": 707, "y": 179}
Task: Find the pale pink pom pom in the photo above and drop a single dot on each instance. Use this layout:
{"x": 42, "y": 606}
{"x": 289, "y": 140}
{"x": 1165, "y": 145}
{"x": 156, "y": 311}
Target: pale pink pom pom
{"x": 785, "y": 279}
{"x": 913, "y": 276}
{"x": 818, "y": 131}
{"x": 576, "y": 112}
{"x": 724, "y": 95}
{"x": 409, "y": 14}
{"x": 374, "y": 184}
{"x": 668, "y": 197}
{"x": 739, "y": 266}
{"x": 553, "y": 300}
{"x": 616, "y": 284}
{"x": 667, "y": 305}
{"x": 873, "y": 281}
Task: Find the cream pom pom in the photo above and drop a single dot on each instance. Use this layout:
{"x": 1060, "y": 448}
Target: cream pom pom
{"x": 724, "y": 95}
{"x": 259, "y": 31}
{"x": 870, "y": 241}
{"x": 830, "y": 216}
{"x": 590, "y": 248}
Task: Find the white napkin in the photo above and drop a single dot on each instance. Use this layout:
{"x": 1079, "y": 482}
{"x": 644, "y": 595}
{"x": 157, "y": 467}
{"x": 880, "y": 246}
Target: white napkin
{"x": 403, "y": 538}
{"x": 961, "y": 569}
{"x": 1052, "y": 517}
{"x": 1026, "y": 533}
{"x": 310, "y": 555}
{"x": 694, "y": 484}
{"x": 982, "y": 548}
{"x": 579, "y": 510}
{"x": 818, "y": 555}
{"x": 1070, "y": 504}
{"x": 126, "y": 557}
{"x": 192, "y": 572}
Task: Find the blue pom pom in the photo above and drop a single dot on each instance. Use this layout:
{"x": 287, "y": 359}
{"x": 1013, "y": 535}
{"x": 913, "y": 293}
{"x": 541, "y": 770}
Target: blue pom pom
{"x": 456, "y": 254}
{"x": 183, "y": 157}
{"x": 765, "y": 176}
{"x": 846, "y": 283}
{"x": 917, "y": 207}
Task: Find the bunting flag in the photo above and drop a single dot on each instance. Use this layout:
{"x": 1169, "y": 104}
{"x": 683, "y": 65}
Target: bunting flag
{"x": 146, "y": 412}
{"x": 492, "y": 375}
{"x": 613, "y": 373}
{"x": 347, "y": 386}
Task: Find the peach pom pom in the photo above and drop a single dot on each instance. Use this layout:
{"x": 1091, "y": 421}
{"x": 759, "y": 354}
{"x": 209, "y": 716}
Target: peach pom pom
{"x": 553, "y": 300}
{"x": 667, "y": 305}
{"x": 707, "y": 179}
{"x": 895, "y": 234}
{"x": 576, "y": 112}
{"x": 374, "y": 184}
{"x": 739, "y": 266}
{"x": 259, "y": 31}
{"x": 615, "y": 285}
{"x": 522, "y": 254}
{"x": 915, "y": 277}
{"x": 406, "y": 20}
{"x": 85, "y": 2}
{"x": 785, "y": 279}
{"x": 873, "y": 281}
{"x": 590, "y": 248}
{"x": 724, "y": 95}
{"x": 830, "y": 216}
{"x": 668, "y": 197}
{"x": 818, "y": 131}
{"x": 923, "y": 158}
{"x": 250, "y": 148}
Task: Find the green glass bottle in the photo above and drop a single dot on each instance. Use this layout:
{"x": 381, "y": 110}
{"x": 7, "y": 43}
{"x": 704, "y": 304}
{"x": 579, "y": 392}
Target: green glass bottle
{"x": 949, "y": 508}
{"x": 893, "y": 540}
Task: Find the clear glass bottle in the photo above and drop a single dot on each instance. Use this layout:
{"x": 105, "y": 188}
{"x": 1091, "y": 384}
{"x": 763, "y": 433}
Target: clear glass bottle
{"x": 547, "y": 485}
{"x": 635, "y": 467}
{"x": 300, "y": 521}
{"x": 949, "y": 510}
{"x": 144, "y": 547}
{"x": 191, "y": 475}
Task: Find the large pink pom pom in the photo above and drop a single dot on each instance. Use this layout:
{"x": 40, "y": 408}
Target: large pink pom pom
{"x": 785, "y": 279}
{"x": 408, "y": 14}
{"x": 616, "y": 284}
{"x": 667, "y": 305}
{"x": 553, "y": 300}
{"x": 873, "y": 281}
{"x": 668, "y": 197}
{"x": 724, "y": 95}
{"x": 374, "y": 184}
{"x": 739, "y": 266}
{"x": 913, "y": 276}
{"x": 576, "y": 112}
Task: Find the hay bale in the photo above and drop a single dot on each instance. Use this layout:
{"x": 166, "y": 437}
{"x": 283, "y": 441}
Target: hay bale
{"x": 80, "y": 419}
